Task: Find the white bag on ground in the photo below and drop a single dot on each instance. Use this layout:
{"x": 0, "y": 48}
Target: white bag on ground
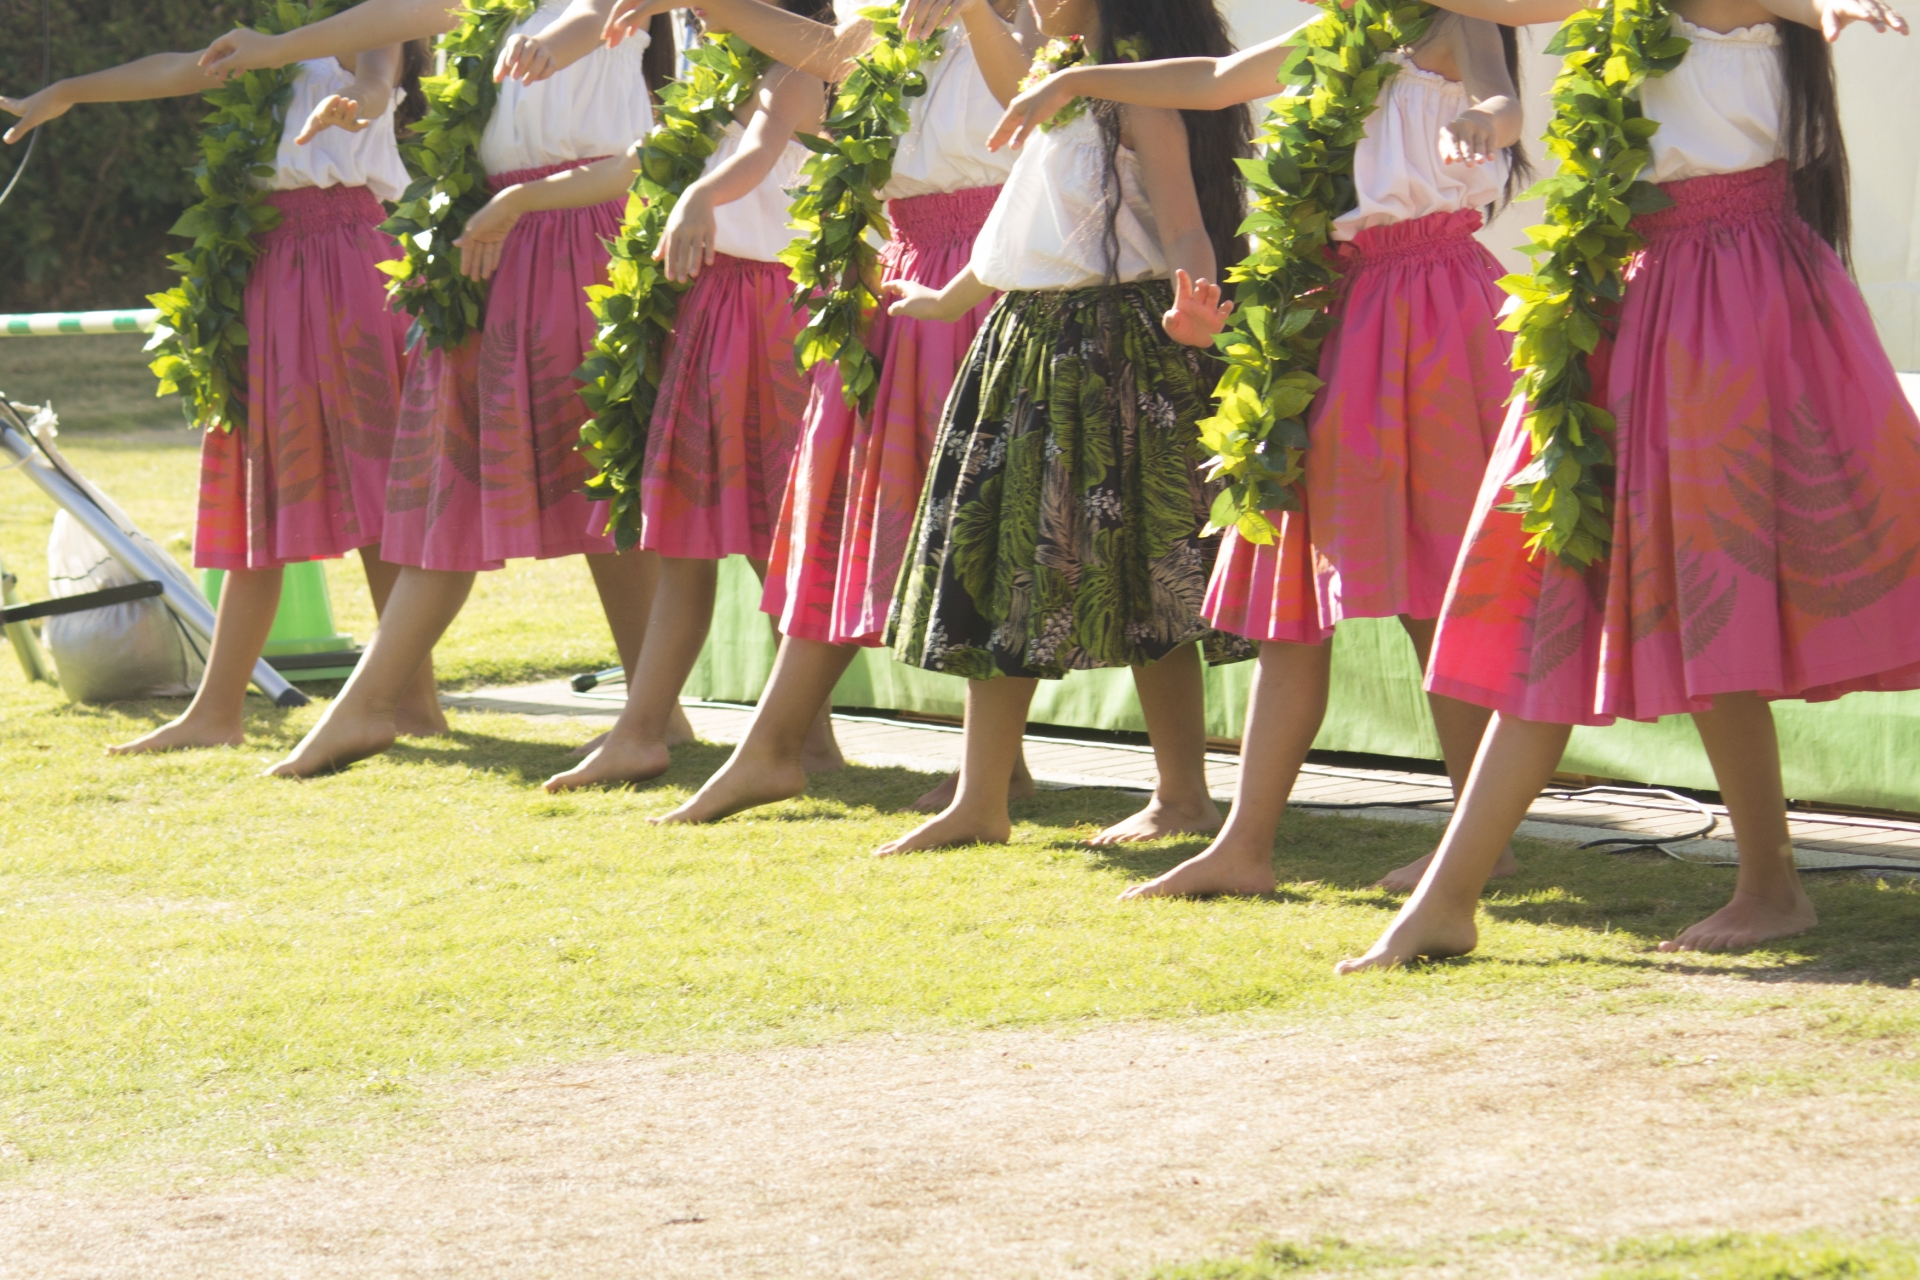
{"x": 120, "y": 652}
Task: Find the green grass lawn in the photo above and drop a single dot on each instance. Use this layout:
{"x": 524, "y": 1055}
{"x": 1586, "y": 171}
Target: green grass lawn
{"x": 210, "y": 973}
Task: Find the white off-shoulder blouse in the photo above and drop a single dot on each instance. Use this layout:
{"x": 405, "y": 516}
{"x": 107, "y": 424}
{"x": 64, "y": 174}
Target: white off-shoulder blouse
{"x": 1048, "y": 227}
{"x": 336, "y": 158}
{"x": 1720, "y": 109}
{"x": 596, "y": 107}
{"x": 755, "y": 225}
{"x": 1397, "y": 170}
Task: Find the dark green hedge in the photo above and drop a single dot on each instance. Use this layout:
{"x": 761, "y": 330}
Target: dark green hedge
{"x": 87, "y": 227}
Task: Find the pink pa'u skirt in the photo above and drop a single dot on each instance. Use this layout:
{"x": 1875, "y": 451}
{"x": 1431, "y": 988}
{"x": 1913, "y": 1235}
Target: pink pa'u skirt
{"x": 485, "y": 461}
{"x": 1417, "y": 378}
{"x": 848, "y": 513}
{"x": 1764, "y": 532}
{"x": 306, "y": 477}
{"x": 724, "y": 428}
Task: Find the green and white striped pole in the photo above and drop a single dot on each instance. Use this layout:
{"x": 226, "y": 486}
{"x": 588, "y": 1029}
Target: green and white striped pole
{"x": 50, "y": 323}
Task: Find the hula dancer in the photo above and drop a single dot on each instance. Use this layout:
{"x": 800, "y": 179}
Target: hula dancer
{"x": 298, "y": 471}
{"x": 486, "y": 468}
{"x": 1762, "y": 540}
{"x": 856, "y": 476}
{"x": 1415, "y": 382}
{"x": 1062, "y": 525}
{"x": 730, "y": 403}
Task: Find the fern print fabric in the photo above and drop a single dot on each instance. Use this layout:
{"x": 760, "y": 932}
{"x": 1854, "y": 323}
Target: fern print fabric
{"x": 486, "y": 461}
{"x": 305, "y": 476}
{"x": 1416, "y": 380}
{"x": 1061, "y": 524}
{"x": 1765, "y": 532}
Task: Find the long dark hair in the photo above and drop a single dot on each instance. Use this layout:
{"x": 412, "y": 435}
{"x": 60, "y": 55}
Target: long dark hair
{"x": 1215, "y": 139}
{"x": 416, "y": 60}
{"x": 1810, "y": 131}
{"x": 1519, "y": 167}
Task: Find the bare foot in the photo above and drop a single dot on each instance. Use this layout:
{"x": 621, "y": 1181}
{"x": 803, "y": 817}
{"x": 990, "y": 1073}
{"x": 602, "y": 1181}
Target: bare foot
{"x": 948, "y": 829}
{"x": 679, "y": 734}
{"x": 940, "y": 797}
{"x": 821, "y": 751}
{"x": 181, "y": 735}
{"x": 740, "y": 784}
{"x": 1747, "y": 921}
{"x": 1225, "y": 866}
{"x": 1406, "y": 879}
{"x": 336, "y": 742}
{"x": 620, "y": 759}
{"x": 1423, "y": 930}
{"x": 1160, "y": 819}
{"x": 424, "y": 721}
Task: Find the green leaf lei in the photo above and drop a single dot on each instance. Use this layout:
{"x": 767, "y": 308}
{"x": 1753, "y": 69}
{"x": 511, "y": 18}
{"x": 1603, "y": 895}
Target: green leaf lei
{"x": 1300, "y": 183}
{"x": 835, "y": 265}
{"x": 201, "y": 340}
{"x": 1070, "y": 51}
{"x": 636, "y": 307}
{"x": 1565, "y": 495}
{"x": 445, "y": 305}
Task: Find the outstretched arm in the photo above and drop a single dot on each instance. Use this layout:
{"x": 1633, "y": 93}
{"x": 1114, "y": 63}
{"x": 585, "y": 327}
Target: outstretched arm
{"x": 1494, "y": 121}
{"x": 1832, "y": 17}
{"x": 485, "y": 234}
{"x": 918, "y": 302}
{"x": 375, "y": 74}
{"x": 1004, "y": 50}
{"x": 1189, "y": 84}
{"x": 365, "y": 26}
{"x": 573, "y": 35}
{"x": 159, "y": 75}
{"x": 788, "y": 102}
{"x": 800, "y": 42}
{"x": 1167, "y": 183}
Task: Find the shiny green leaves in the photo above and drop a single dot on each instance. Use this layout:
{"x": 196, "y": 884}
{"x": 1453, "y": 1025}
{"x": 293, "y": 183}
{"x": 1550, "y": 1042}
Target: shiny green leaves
{"x": 839, "y": 213}
{"x": 444, "y": 150}
{"x": 636, "y": 307}
{"x": 201, "y": 341}
{"x": 1301, "y": 182}
{"x": 1599, "y": 135}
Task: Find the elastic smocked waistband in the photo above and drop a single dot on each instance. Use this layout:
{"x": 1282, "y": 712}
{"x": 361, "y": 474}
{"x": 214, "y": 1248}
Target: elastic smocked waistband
{"x": 1717, "y": 200}
{"x": 1430, "y": 236}
{"x": 307, "y": 210}
{"x": 924, "y": 221}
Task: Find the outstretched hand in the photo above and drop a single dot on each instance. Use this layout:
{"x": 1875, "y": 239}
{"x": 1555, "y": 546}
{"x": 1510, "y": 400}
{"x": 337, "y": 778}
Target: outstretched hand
{"x": 525, "y": 59}
{"x": 241, "y": 49}
{"x": 921, "y": 18}
{"x": 630, "y": 17}
{"x": 1029, "y": 110}
{"x": 480, "y": 244}
{"x": 1835, "y": 15}
{"x": 916, "y": 301}
{"x": 1197, "y": 312}
{"x": 335, "y": 112}
{"x": 1468, "y": 139}
{"x": 34, "y": 111}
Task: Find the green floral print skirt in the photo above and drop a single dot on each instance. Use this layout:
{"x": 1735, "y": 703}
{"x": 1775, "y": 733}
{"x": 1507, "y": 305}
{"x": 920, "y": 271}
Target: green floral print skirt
{"x": 1060, "y": 527}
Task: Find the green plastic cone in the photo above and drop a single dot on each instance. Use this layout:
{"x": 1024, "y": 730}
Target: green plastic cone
{"x": 304, "y": 623}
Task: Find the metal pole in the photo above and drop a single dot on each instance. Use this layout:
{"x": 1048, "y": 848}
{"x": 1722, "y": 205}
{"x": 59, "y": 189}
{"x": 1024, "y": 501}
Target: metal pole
{"x": 189, "y": 606}
{"x": 41, "y": 324}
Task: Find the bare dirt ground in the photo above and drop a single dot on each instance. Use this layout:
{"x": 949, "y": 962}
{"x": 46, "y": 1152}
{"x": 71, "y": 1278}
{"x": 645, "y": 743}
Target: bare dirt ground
{"x": 1091, "y": 1154}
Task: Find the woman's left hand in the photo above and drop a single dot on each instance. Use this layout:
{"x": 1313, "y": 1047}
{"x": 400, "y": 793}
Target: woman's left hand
{"x": 1836, "y": 14}
{"x": 485, "y": 236}
{"x": 336, "y": 112}
{"x": 525, "y": 59}
{"x": 687, "y": 244}
{"x": 1468, "y": 139}
{"x": 1197, "y": 312}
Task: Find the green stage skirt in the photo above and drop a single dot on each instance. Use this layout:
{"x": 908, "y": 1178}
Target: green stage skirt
{"x": 1060, "y": 526}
